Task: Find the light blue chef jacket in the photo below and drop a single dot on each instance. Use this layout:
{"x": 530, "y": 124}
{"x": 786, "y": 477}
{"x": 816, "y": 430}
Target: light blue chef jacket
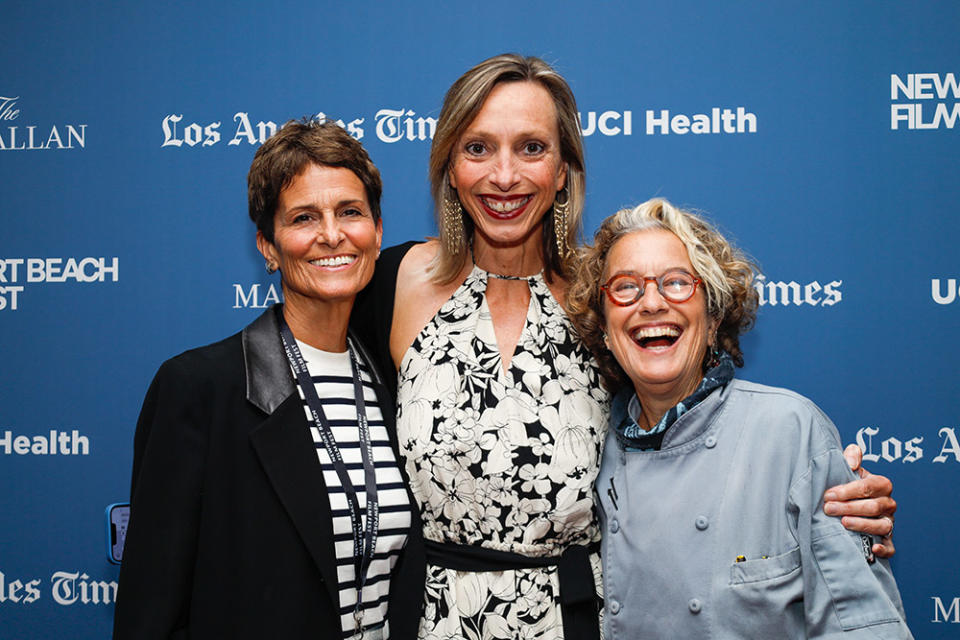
{"x": 741, "y": 475}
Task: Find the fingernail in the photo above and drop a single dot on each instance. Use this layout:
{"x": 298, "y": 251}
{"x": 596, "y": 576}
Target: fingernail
{"x": 830, "y": 509}
{"x": 830, "y": 495}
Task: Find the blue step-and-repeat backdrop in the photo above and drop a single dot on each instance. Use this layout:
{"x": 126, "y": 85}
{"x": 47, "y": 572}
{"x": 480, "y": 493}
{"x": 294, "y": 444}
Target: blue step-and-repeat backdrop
{"x": 821, "y": 135}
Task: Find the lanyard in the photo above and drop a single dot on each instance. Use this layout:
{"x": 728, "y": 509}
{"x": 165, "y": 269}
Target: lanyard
{"x": 364, "y": 538}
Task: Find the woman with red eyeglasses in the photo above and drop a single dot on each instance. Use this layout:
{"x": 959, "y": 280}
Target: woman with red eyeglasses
{"x": 711, "y": 488}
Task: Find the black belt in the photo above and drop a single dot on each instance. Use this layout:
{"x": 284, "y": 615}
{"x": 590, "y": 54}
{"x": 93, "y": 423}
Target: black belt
{"x": 578, "y": 593}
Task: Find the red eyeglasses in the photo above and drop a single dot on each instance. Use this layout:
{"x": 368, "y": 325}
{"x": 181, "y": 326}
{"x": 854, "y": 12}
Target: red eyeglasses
{"x": 625, "y": 289}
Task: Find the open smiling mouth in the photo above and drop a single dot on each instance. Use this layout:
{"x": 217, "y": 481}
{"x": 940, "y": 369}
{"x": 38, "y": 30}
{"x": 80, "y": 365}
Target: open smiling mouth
{"x": 335, "y": 261}
{"x": 656, "y": 337}
{"x": 505, "y": 208}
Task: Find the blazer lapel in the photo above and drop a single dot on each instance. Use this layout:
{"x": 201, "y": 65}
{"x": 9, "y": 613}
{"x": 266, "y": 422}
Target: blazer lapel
{"x": 269, "y": 380}
{"x": 284, "y": 446}
{"x": 289, "y": 457}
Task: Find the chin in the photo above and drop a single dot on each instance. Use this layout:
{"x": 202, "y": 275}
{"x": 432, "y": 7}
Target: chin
{"x": 665, "y": 381}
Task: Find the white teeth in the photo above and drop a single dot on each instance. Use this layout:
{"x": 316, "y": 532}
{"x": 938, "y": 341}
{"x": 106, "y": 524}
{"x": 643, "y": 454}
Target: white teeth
{"x": 655, "y": 332}
{"x": 335, "y": 261}
{"x": 505, "y": 206}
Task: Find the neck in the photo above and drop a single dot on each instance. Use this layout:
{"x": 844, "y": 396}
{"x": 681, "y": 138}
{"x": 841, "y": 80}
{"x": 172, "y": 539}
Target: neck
{"x": 655, "y": 403}
{"x": 321, "y": 324}
{"x": 523, "y": 259}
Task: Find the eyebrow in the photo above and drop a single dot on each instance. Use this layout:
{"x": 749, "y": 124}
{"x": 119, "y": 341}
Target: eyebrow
{"x": 630, "y": 272}
{"x": 526, "y": 133}
{"x": 339, "y": 205}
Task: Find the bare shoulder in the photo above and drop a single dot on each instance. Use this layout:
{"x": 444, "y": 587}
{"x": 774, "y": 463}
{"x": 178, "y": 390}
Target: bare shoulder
{"x": 413, "y": 276}
{"x": 418, "y": 297}
{"x": 417, "y": 259}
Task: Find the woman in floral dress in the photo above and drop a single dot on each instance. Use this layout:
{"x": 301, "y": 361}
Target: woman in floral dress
{"x": 501, "y": 413}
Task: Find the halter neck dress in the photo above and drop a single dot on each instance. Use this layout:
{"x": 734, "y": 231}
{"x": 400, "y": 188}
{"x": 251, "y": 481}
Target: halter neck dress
{"x": 501, "y": 460}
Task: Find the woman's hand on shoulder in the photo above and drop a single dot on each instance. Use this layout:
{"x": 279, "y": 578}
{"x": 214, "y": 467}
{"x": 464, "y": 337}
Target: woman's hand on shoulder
{"x": 865, "y": 504}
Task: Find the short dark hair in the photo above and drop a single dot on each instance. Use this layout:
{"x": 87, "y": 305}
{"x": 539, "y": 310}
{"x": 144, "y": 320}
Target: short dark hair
{"x": 288, "y": 152}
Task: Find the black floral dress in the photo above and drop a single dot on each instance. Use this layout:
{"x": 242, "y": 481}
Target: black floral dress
{"x": 504, "y": 461}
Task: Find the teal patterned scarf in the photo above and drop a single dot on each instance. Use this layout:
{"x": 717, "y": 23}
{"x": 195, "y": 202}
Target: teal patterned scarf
{"x": 634, "y": 438}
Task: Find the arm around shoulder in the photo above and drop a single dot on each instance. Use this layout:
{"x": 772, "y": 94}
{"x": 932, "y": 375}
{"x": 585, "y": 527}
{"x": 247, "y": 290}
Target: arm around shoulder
{"x": 846, "y": 588}
{"x": 865, "y": 504}
{"x": 373, "y": 311}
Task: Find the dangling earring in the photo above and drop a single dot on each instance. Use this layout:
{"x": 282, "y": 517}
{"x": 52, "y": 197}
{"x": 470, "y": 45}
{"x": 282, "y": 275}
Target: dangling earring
{"x": 606, "y": 340}
{"x": 452, "y": 224}
{"x": 713, "y": 354}
{"x": 560, "y": 210}
{"x": 270, "y": 266}
{"x": 714, "y": 357}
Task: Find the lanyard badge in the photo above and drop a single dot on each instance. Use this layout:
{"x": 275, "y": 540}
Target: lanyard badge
{"x": 364, "y": 537}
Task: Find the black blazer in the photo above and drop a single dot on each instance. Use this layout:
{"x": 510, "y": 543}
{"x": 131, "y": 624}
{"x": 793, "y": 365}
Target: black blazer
{"x": 230, "y": 532}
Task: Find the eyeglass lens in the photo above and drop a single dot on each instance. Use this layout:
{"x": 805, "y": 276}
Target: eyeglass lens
{"x": 675, "y": 286}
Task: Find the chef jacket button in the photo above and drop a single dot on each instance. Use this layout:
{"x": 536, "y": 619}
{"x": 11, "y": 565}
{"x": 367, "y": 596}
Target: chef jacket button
{"x": 702, "y": 522}
{"x": 614, "y": 526}
{"x": 695, "y": 605}
{"x": 614, "y": 607}
{"x": 710, "y": 442}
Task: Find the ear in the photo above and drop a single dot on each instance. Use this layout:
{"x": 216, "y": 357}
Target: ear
{"x": 712, "y": 325}
{"x": 562, "y": 176}
{"x": 451, "y": 177}
{"x": 266, "y": 249}
{"x": 379, "y": 234}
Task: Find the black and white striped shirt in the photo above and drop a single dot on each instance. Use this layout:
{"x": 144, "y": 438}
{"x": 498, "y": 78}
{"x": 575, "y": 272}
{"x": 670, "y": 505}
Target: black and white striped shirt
{"x": 332, "y": 376}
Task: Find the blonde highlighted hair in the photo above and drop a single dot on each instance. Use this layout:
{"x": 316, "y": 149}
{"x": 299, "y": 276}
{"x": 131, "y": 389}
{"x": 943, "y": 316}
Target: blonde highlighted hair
{"x": 463, "y": 102}
{"x": 727, "y": 274}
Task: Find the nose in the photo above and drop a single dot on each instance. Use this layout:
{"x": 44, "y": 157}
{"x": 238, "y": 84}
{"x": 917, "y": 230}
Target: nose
{"x": 329, "y": 231}
{"x": 651, "y": 301}
{"x": 504, "y": 174}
